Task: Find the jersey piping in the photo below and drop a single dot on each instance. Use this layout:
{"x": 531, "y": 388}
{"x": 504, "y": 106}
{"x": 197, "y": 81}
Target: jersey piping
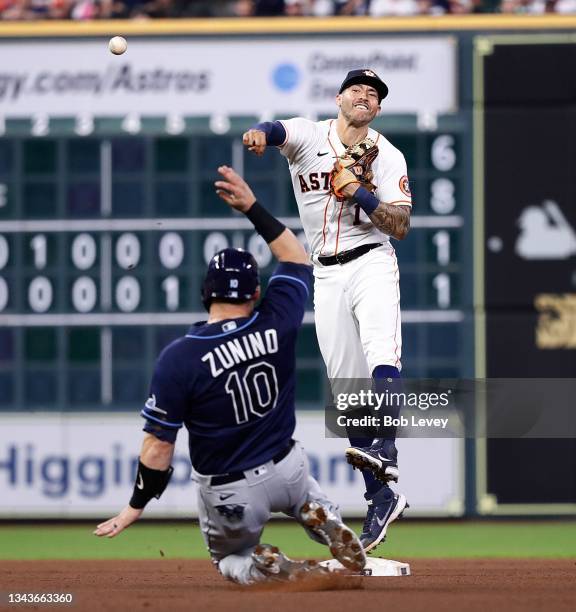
{"x": 166, "y": 423}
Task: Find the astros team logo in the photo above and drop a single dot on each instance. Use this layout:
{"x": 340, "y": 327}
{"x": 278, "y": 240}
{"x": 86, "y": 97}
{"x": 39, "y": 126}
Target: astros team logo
{"x": 405, "y": 186}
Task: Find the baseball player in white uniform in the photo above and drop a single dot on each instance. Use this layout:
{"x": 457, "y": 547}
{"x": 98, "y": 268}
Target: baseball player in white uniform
{"x": 356, "y": 288}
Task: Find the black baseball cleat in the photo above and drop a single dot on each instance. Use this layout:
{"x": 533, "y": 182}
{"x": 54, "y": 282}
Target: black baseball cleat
{"x": 384, "y": 507}
{"x": 382, "y": 464}
{"x": 275, "y": 565}
{"x": 343, "y": 542}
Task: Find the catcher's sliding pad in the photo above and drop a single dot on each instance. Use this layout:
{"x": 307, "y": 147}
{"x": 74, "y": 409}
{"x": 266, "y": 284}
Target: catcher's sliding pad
{"x": 374, "y": 567}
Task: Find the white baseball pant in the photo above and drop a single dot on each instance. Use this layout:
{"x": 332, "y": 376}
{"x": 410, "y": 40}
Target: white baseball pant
{"x": 357, "y": 314}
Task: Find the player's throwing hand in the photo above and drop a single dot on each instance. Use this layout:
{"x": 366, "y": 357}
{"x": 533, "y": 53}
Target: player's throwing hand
{"x": 255, "y": 140}
{"x": 234, "y": 190}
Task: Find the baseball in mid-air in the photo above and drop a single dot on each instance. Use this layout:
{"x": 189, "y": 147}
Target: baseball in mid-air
{"x": 117, "y": 45}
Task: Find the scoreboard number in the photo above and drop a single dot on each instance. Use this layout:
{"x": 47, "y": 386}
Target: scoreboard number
{"x": 39, "y": 245}
{"x": 171, "y": 250}
{"x": 83, "y": 251}
{"x": 128, "y": 251}
{"x": 84, "y": 294}
{"x": 128, "y": 294}
{"x": 441, "y": 240}
{"x": 40, "y": 294}
{"x": 171, "y": 287}
{"x": 442, "y": 199}
{"x": 443, "y": 154}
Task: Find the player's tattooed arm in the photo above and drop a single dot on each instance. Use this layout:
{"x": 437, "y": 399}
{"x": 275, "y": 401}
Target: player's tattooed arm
{"x": 392, "y": 219}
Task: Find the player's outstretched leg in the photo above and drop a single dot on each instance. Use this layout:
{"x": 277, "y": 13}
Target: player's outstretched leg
{"x": 274, "y": 565}
{"x": 384, "y": 507}
{"x": 343, "y": 542}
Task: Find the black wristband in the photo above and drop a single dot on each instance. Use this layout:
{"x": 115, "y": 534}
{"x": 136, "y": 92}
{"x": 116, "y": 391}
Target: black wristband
{"x": 149, "y": 483}
{"x": 264, "y": 223}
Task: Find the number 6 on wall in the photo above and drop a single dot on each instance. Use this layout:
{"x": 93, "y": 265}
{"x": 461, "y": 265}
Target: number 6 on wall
{"x": 256, "y": 394}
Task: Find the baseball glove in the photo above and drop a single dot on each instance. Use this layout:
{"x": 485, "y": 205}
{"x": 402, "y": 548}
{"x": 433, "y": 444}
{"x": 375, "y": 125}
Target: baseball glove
{"x": 354, "y": 166}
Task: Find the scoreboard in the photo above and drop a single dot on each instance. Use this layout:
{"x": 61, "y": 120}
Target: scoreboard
{"x": 105, "y": 234}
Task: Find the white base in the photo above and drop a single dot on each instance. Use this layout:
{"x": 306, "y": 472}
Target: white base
{"x": 374, "y": 567}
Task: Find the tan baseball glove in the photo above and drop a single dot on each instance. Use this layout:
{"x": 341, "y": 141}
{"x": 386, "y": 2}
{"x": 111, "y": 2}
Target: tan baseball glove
{"x": 354, "y": 166}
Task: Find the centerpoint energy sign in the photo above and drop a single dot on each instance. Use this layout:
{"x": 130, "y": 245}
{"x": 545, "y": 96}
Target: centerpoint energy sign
{"x": 203, "y": 77}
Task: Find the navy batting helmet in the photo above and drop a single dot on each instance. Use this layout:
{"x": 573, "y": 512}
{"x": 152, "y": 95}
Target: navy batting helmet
{"x": 232, "y": 276}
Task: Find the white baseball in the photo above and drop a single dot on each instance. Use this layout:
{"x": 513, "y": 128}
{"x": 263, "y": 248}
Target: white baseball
{"x": 117, "y": 45}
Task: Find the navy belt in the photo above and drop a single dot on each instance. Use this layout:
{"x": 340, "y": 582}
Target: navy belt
{"x": 223, "y": 479}
{"x": 346, "y": 256}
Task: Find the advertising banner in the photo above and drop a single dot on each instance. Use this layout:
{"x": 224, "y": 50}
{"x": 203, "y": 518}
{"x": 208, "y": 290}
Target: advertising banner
{"x": 193, "y": 77}
{"x": 65, "y": 466}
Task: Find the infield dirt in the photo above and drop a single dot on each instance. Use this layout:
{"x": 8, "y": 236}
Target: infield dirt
{"x": 170, "y": 584}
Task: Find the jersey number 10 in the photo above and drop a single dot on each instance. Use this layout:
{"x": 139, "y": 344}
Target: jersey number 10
{"x": 256, "y": 393}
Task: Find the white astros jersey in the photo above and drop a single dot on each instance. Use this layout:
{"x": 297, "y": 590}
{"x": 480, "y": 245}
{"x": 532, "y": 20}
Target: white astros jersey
{"x": 332, "y": 226}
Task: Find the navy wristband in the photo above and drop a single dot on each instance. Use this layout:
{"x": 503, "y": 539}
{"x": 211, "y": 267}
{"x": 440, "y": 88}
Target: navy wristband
{"x": 367, "y": 201}
{"x": 274, "y": 130}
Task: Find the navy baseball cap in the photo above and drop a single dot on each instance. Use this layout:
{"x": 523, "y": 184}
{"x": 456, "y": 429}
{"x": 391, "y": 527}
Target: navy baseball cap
{"x": 365, "y": 77}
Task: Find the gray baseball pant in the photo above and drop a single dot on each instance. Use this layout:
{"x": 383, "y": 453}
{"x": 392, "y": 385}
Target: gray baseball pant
{"x": 232, "y": 516}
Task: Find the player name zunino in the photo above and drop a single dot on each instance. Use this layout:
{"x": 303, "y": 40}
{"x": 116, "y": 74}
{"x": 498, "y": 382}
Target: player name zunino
{"x": 388, "y": 421}
{"x": 242, "y": 349}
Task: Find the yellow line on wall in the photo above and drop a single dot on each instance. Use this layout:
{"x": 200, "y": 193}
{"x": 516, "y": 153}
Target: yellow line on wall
{"x": 286, "y": 25}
